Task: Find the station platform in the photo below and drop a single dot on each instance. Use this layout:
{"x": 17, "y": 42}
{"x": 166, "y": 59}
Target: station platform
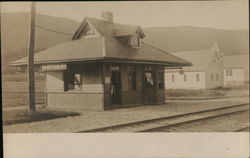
{"x": 88, "y": 119}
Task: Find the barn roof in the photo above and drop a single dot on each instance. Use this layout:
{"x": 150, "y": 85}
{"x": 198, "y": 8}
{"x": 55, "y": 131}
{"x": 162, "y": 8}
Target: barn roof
{"x": 104, "y": 47}
{"x": 236, "y": 61}
{"x": 199, "y": 59}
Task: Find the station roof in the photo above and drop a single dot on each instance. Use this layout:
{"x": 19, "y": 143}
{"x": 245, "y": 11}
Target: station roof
{"x": 104, "y": 47}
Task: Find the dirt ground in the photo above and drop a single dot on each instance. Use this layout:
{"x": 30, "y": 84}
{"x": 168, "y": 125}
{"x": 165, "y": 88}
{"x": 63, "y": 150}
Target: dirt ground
{"x": 96, "y": 119}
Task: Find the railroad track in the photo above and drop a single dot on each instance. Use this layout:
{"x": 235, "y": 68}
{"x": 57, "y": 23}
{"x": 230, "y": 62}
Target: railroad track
{"x": 245, "y": 129}
{"x": 174, "y": 121}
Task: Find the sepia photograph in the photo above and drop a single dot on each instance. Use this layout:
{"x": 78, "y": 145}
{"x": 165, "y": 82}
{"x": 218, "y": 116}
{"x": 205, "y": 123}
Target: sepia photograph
{"x": 116, "y": 67}
{"x": 150, "y": 78}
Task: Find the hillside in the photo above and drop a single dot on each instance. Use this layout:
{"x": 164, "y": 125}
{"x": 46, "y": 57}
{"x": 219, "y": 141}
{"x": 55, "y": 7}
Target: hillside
{"x": 15, "y": 36}
{"x": 186, "y": 38}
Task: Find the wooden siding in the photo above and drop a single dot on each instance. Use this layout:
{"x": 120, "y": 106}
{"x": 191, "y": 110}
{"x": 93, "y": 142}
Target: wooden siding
{"x": 133, "y": 97}
{"x": 54, "y": 81}
{"x": 190, "y": 83}
{"x": 89, "y": 95}
{"x": 95, "y": 92}
{"x": 76, "y": 100}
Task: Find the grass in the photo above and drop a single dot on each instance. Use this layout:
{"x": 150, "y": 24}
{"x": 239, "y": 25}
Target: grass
{"x": 23, "y": 116}
{"x": 21, "y": 77}
{"x": 15, "y": 90}
{"x": 14, "y": 99}
{"x": 218, "y": 92}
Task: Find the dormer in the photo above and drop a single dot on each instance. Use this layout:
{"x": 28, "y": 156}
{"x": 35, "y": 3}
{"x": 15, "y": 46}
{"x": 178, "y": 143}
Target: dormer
{"x": 135, "y": 41}
{"x": 132, "y": 35}
{"x": 127, "y": 34}
{"x": 87, "y": 31}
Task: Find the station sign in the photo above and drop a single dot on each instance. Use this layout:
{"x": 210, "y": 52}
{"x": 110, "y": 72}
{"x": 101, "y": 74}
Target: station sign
{"x": 54, "y": 67}
{"x": 115, "y": 68}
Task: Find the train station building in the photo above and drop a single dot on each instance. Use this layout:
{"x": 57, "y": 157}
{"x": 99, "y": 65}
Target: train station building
{"x": 106, "y": 65}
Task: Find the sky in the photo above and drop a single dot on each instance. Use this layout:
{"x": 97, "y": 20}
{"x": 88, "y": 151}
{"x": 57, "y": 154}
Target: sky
{"x": 232, "y": 14}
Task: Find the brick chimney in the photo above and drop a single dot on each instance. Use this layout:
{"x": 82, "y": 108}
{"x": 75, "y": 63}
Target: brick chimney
{"x": 107, "y": 16}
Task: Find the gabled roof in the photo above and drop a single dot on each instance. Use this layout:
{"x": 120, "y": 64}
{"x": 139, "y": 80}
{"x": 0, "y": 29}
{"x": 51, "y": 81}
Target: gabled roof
{"x": 199, "y": 58}
{"x": 102, "y": 48}
{"x": 215, "y": 47}
{"x": 109, "y": 29}
{"x": 236, "y": 61}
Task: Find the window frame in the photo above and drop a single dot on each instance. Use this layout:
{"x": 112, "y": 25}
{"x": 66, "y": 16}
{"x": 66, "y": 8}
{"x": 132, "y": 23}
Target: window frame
{"x": 184, "y": 77}
{"x": 132, "y": 69}
{"x": 217, "y": 77}
{"x": 136, "y": 43}
{"x": 197, "y": 77}
{"x": 160, "y": 79}
{"x": 229, "y": 72}
{"x": 86, "y": 31}
{"x": 70, "y": 81}
{"x": 151, "y": 71}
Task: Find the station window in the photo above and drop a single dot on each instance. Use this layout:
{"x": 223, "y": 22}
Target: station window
{"x": 149, "y": 77}
{"x": 72, "y": 81}
{"x": 217, "y": 77}
{"x": 160, "y": 79}
{"x": 132, "y": 78}
{"x": 197, "y": 77}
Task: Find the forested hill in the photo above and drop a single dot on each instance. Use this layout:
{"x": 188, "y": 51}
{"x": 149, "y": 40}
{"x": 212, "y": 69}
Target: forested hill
{"x": 15, "y": 27}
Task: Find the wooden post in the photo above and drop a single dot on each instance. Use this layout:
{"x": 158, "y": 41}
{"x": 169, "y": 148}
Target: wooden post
{"x": 31, "y": 49}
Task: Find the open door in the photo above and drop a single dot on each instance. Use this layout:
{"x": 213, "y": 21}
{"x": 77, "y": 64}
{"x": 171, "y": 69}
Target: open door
{"x": 115, "y": 86}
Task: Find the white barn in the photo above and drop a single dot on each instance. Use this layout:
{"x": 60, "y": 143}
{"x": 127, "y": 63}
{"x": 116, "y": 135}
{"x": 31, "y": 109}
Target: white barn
{"x": 236, "y": 69}
{"x": 206, "y": 72}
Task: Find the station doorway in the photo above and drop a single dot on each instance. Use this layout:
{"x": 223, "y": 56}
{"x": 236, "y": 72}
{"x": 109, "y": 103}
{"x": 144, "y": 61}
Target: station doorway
{"x": 116, "y": 86}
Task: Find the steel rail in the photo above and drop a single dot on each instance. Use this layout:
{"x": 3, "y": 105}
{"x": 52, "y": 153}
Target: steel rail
{"x": 159, "y": 119}
{"x": 242, "y": 129}
{"x": 190, "y": 121}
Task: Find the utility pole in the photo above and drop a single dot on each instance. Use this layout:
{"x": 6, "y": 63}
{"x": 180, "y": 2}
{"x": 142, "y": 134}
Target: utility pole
{"x": 31, "y": 49}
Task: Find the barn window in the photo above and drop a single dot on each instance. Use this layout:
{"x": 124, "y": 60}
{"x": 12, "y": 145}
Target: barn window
{"x": 160, "y": 79}
{"x": 172, "y": 77}
{"x": 72, "y": 81}
{"x": 149, "y": 77}
{"x": 197, "y": 77}
{"x": 229, "y": 72}
{"x": 132, "y": 78}
{"x": 185, "y": 77}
